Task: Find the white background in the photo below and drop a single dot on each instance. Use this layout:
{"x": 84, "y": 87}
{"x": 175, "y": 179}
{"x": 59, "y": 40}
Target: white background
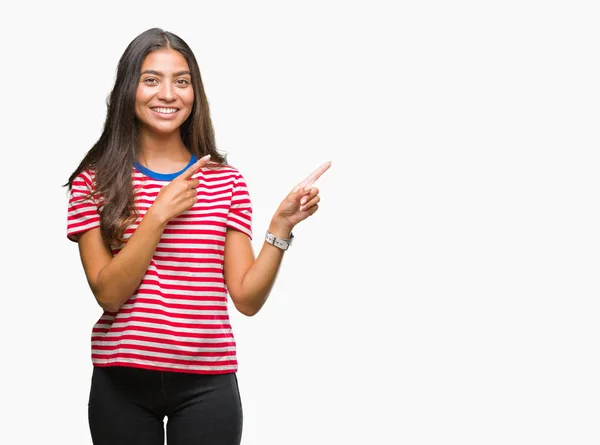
{"x": 447, "y": 289}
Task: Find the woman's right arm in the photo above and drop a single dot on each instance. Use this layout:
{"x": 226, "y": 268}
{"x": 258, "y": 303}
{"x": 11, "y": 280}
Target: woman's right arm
{"x": 114, "y": 278}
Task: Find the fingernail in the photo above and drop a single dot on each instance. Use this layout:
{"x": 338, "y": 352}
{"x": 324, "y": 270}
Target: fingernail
{"x": 303, "y": 201}
{"x": 302, "y": 208}
{"x": 205, "y": 158}
{"x": 307, "y": 188}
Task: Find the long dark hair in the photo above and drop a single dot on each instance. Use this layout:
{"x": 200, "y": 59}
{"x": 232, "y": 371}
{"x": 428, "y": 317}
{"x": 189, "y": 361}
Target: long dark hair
{"x": 113, "y": 155}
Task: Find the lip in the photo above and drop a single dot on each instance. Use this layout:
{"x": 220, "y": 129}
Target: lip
{"x": 165, "y": 115}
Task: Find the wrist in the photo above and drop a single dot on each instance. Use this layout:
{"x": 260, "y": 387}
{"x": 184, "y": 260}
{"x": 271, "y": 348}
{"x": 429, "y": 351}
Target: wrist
{"x": 280, "y": 243}
{"x": 281, "y": 229}
{"x": 155, "y": 219}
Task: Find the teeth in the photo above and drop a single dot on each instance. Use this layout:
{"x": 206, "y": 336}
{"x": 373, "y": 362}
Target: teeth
{"x": 165, "y": 110}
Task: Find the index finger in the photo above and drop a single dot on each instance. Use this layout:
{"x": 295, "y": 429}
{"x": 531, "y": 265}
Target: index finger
{"x": 195, "y": 167}
{"x": 311, "y": 179}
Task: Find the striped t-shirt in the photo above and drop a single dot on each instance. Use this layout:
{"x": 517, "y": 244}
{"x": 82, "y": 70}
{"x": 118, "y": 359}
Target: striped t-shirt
{"x": 177, "y": 319}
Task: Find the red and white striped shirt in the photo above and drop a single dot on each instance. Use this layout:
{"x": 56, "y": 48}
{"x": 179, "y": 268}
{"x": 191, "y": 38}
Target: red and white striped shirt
{"x": 177, "y": 319}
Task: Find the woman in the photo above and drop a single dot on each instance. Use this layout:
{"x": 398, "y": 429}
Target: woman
{"x": 164, "y": 228}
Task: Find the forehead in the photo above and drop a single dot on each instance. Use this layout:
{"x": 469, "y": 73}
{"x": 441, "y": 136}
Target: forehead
{"x": 165, "y": 60}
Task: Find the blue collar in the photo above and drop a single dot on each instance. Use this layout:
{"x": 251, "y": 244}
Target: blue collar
{"x": 163, "y": 176}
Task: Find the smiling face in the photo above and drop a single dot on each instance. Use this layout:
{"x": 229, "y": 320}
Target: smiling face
{"x": 165, "y": 95}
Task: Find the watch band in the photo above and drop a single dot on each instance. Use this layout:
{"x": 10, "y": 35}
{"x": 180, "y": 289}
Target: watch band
{"x": 281, "y": 243}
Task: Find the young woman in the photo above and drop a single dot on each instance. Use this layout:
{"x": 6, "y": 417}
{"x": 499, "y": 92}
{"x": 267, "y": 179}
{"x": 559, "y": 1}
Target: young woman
{"x": 164, "y": 225}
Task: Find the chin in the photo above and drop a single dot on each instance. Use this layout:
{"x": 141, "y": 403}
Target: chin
{"x": 163, "y": 128}
{"x": 166, "y": 128}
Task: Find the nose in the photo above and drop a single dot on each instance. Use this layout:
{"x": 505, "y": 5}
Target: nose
{"x": 166, "y": 91}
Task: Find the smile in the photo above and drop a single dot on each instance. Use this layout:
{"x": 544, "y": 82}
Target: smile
{"x": 165, "y": 110}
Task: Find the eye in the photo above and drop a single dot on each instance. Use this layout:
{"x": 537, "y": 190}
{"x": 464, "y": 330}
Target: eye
{"x": 150, "y": 81}
{"x": 182, "y": 82}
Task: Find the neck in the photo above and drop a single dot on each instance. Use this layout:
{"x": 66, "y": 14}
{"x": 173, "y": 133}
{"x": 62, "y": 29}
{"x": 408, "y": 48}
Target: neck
{"x": 161, "y": 147}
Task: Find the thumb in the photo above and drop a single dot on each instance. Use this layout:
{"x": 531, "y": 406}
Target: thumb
{"x": 297, "y": 194}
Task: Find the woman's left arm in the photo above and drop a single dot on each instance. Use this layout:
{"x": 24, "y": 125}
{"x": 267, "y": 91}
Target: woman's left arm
{"x": 249, "y": 280}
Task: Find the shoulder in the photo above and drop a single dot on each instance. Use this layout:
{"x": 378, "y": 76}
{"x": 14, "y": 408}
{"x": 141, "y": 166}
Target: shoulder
{"x": 226, "y": 177}
{"x": 85, "y": 179}
{"x": 222, "y": 168}
{"x": 223, "y": 172}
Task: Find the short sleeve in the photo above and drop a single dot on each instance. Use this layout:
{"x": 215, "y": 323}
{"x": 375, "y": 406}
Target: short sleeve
{"x": 239, "y": 216}
{"x": 82, "y": 207}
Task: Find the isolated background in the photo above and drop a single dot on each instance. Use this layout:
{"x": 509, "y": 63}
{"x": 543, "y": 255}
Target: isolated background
{"x": 447, "y": 289}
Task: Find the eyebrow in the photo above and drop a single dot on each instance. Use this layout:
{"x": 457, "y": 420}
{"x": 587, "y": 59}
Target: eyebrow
{"x": 158, "y": 73}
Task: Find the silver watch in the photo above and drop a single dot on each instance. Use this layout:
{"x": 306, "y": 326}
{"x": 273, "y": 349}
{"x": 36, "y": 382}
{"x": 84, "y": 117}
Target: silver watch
{"x": 282, "y": 243}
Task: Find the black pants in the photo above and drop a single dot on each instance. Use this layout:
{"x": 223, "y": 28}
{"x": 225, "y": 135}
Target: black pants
{"x": 127, "y": 407}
